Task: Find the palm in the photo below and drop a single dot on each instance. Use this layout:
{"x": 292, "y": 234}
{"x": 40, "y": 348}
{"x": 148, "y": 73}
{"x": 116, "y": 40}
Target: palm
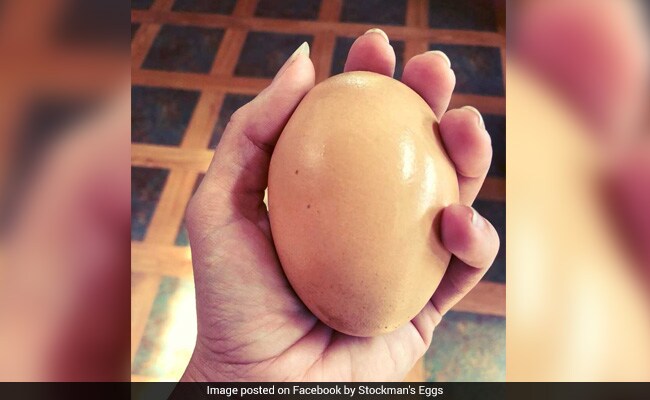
{"x": 267, "y": 327}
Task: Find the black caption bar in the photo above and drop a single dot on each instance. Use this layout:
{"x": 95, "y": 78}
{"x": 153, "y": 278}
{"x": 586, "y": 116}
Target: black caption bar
{"x": 199, "y": 391}
{"x": 431, "y": 390}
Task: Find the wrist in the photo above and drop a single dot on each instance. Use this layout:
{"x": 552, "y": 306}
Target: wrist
{"x": 205, "y": 366}
{"x": 199, "y": 370}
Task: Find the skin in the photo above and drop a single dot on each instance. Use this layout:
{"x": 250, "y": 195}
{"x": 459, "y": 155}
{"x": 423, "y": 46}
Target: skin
{"x": 251, "y": 325}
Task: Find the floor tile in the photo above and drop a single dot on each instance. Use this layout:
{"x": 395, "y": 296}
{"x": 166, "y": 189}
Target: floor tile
{"x": 170, "y": 332}
{"x": 146, "y": 186}
{"x": 141, "y": 4}
{"x": 495, "y": 212}
{"x": 467, "y": 347}
{"x": 160, "y": 115}
{"x": 231, "y": 103}
{"x": 205, "y": 6}
{"x": 379, "y": 12}
{"x": 496, "y": 127}
{"x": 265, "y": 52}
{"x": 182, "y": 239}
{"x": 477, "y": 15}
{"x": 289, "y": 9}
{"x": 478, "y": 68}
{"x": 342, "y": 48}
{"x": 184, "y": 49}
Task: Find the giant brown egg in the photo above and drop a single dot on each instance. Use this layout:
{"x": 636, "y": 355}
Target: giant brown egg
{"x": 357, "y": 183}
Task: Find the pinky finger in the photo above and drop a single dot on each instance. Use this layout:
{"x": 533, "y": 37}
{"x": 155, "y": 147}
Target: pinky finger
{"x": 474, "y": 243}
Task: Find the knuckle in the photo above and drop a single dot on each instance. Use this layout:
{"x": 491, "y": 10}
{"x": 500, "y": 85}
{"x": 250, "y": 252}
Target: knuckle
{"x": 243, "y": 122}
{"x": 240, "y": 118}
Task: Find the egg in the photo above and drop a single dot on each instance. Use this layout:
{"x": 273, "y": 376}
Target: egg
{"x": 357, "y": 183}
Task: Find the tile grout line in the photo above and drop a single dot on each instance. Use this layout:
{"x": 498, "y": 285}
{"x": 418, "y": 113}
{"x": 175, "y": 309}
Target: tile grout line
{"x": 233, "y": 41}
{"x": 170, "y": 157}
{"x": 168, "y": 214}
{"x": 144, "y": 306}
{"x": 206, "y": 112}
{"x": 249, "y": 85}
{"x": 170, "y": 209}
{"x": 145, "y": 36}
{"x": 417, "y": 16}
{"x": 447, "y": 36}
{"x": 324, "y": 42}
{"x": 488, "y": 298}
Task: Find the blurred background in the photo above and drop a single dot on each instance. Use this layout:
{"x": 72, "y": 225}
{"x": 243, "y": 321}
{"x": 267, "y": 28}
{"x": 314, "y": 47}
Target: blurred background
{"x": 194, "y": 62}
{"x": 578, "y": 191}
{"x": 64, "y": 184}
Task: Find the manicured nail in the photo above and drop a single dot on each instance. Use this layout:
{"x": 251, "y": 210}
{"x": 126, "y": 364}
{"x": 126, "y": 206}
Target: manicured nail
{"x": 478, "y": 114}
{"x": 477, "y": 220}
{"x": 302, "y": 49}
{"x": 441, "y": 54}
{"x": 379, "y": 31}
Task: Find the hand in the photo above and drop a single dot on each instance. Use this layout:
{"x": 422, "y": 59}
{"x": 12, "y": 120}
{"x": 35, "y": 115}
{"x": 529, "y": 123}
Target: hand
{"x": 251, "y": 325}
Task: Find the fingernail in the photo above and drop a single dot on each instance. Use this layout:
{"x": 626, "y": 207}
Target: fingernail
{"x": 441, "y": 54}
{"x": 302, "y": 49}
{"x": 379, "y": 31}
{"x": 478, "y": 114}
{"x": 477, "y": 220}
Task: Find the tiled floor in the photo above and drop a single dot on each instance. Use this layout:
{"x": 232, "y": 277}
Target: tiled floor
{"x": 495, "y": 212}
{"x": 184, "y": 48}
{"x": 264, "y": 52}
{"x": 160, "y": 115}
{"x": 496, "y": 127}
{"x": 478, "y": 68}
{"x": 205, "y": 6}
{"x": 467, "y": 347}
{"x": 231, "y": 103}
{"x": 177, "y": 123}
{"x": 182, "y": 239}
{"x": 378, "y": 12}
{"x": 146, "y": 186}
{"x": 290, "y": 9}
{"x": 170, "y": 327}
{"x": 455, "y": 14}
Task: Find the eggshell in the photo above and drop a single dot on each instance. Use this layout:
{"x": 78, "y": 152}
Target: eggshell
{"x": 357, "y": 183}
